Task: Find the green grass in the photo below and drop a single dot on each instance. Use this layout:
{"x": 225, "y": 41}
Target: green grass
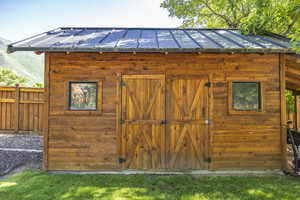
{"x": 35, "y": 185}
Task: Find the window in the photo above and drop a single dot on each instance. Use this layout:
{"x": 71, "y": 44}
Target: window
{"x": 83, "y": 95}
{"x": 246, "y": 96}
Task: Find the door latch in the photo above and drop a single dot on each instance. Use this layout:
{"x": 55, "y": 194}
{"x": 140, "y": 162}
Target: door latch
{"x": 122, "y": 160}
{"x": 208, "y": 84}
{"x": 163, "y": 122}
{"x": 122, "y": 83}
{"x": 208, "y": 160}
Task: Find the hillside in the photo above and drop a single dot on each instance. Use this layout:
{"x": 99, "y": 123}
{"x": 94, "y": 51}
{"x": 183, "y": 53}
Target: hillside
{"x": 26, "y": 64}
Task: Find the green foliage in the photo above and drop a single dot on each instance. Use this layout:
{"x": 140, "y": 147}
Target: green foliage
{"x": 251, "y": 16}
{"x": 290, "y": 106}
{"x": 9, "y": 78}
{"x": 38, "y": 85}
{"x": 209, "y": 13}
{"x": 296, "y": 41}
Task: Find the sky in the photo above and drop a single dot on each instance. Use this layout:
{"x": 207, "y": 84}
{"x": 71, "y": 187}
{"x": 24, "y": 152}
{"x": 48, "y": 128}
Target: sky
{"x": 24, "y": 18}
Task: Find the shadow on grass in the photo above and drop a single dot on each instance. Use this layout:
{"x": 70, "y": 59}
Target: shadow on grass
{"x": 35, "y": 185}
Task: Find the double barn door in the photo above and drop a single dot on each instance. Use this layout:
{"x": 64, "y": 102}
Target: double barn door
{"x": 163, "y": 122}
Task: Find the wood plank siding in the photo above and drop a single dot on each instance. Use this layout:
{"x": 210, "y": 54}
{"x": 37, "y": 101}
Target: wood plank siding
{"x": 200, "y": 131}
{"x": 21, "y": 110}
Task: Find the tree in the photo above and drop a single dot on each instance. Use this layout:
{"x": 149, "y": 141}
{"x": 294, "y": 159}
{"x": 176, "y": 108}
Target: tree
{"x": 251, "y": 16}
{"x": 38, "y": 85}
{"x": 9, "y": 78}
{"x": 290, "y": 101}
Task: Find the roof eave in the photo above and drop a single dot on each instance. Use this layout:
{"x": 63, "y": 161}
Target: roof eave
{"x": 11, "y": 49}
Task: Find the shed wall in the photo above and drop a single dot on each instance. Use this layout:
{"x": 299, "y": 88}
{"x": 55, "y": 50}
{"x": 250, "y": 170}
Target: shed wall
{"x": 83, "y": 141}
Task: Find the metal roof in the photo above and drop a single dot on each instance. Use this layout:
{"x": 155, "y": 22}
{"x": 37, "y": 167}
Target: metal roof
{"x": 74, "y": 39}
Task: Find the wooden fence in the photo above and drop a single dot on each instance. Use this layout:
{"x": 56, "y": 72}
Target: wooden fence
{"x": 21, "y": 110}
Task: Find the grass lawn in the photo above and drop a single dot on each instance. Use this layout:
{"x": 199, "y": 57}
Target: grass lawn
{"x": 36, "y": 185}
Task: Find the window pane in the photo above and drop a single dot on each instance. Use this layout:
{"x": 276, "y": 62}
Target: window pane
{"x": 246, "y": 95}
{"x": 83, "y": 96}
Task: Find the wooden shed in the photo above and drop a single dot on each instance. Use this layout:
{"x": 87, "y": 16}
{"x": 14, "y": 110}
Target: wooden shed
{"x": 164, "y": 99}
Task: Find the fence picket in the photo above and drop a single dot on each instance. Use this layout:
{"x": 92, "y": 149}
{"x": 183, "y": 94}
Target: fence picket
{"x": 17, "y": 106}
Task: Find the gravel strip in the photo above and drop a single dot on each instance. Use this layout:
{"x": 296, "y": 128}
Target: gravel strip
{"x": 21, "y": 141}
{"x": 10, "y": 160}
{"x": 20, "y": 151}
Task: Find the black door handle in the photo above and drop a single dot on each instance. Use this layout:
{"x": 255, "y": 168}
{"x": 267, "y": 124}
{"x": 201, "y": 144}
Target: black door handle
{"x": 163, "y": 122}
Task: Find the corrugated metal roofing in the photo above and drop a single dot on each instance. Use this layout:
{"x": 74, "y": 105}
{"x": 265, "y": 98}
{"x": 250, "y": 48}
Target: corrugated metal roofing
{"x": 151, "y": 40}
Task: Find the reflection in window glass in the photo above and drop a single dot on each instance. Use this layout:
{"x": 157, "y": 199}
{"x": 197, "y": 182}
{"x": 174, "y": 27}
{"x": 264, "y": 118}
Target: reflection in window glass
{"x": 83, "y": 96}
{"x": 246, "y": 95}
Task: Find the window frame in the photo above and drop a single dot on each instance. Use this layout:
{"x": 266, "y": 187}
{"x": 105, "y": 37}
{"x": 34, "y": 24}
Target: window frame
{"x": 99, "y": 98}
{"x": 231, "y": 108}
{"x": 70, "y": 98}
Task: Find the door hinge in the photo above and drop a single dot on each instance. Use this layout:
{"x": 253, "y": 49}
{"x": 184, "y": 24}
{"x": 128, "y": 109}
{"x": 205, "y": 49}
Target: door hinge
{"x": 122, "y": 121}
{"x": 208, "y": 160}
{"x": 122, "y": 83}
{"x": 122, "y": 160}
{"x": 208, "y": 84}
{"x": 208, "y": 121}
{"x": 163, "y": 122}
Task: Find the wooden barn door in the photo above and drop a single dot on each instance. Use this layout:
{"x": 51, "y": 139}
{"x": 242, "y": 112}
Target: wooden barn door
{"x": 142, "y": 121}
{"x": 187, "y": 114}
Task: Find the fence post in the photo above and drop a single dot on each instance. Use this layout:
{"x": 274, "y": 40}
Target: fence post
{"x": 17, "y": 105}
